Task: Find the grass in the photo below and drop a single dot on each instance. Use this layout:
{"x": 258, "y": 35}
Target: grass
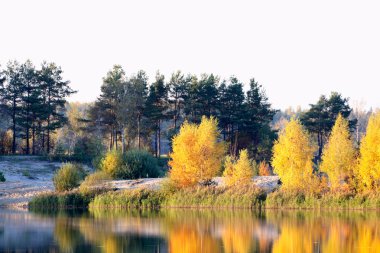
{"x": 61, "y": 201}
{"x": 199, "y": 197}
{"x": 330, "y": 200}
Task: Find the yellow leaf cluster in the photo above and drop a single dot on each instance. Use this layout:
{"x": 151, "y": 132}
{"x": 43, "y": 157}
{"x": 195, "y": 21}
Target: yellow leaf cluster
{"x": 112, "y": 162}
{"x": 369, "y": 162}
{"x": 197, "y": 153}
{"x": 292, "y": 156}
{"x": 239, "y": 172}
{"x": 338, "y": 157}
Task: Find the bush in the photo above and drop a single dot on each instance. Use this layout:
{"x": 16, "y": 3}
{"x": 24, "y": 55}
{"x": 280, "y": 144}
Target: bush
{"x": 134, "y": 164}
{"x": 68, "y": 177}
{"x": 95, "y": 182}
{"x": 113, "y": 163}
{"x": 2, "y": 178}
{"x": 138, "y": 164}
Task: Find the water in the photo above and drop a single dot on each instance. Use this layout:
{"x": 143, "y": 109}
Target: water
{"x": 179, "y": 230}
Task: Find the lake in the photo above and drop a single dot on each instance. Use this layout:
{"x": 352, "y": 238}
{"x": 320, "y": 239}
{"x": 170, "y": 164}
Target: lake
{"x": 186, "y": 230}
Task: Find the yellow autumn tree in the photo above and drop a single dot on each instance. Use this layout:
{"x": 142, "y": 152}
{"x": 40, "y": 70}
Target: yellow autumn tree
{"x": 292, "y": 156}
{"x": 369, "y": 162}
{"x": 197, "y": 153}
{"x": 239, "y": 172}
{"x": 338, "y": 156}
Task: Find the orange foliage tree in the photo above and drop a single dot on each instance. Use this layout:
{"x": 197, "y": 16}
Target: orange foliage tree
{"x": 239, "y": 172}
{"x": 197, "y": 153}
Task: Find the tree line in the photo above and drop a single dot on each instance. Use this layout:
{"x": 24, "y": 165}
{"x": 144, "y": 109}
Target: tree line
{"x": 34, "y": 102}
{"x": 131, "y": 112}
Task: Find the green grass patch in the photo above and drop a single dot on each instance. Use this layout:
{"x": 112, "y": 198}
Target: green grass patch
{"x": 330, "y": 200}
{"x": 61, "y": 201}
{"x": 199, "y": 197}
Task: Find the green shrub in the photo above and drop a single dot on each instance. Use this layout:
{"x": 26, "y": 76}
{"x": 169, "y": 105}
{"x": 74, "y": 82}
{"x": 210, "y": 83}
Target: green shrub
{"x": 2, "y": 178}
{"x": 97, "y": 182}
{"x": 139, "y": 164}
{"x": 68, "y": 177}
{"x": 133, "y": 164}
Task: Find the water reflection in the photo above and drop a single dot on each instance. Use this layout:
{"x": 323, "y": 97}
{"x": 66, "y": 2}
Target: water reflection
{"x": 179, "y": 230}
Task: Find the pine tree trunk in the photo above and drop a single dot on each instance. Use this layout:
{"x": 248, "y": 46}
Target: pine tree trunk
{"x": 138, "y": 131}
{"x": 123, "y": 140}
{"x": 110, "y": 147}
{"x": 48, "y": 137}
{"x": 159, "y": 139}
{"x": 14, "y": 126}
{"x": 116, "y": 139}
{"x": 155, "y": 142}
{"x": 34, "y": 140}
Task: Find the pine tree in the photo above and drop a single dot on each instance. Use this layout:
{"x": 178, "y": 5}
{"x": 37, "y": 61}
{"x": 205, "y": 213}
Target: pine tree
{"x": 177, "y": 89}
{"x": 12, "y": 95}
{"x": 257, "y": 117}
{"x": 55, "y": 90}
{"x": 338, "y": 157}
{"x": 197, "y": 153}
{"x": 231, "y": 111}
{"x": 321, "y": 117}
{"x": 156, "y": 108}
{"x": 30, "y": 100}
{"x": 292, "y": 156}
{"x": 105, "y": 111}
{"x": 369, "y": 162}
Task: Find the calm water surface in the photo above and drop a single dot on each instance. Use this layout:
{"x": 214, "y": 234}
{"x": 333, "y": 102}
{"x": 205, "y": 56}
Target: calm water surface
{"x": 179, "y": 230}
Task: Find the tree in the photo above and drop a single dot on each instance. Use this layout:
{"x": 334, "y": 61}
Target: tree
{"x": 369, "y": 161}
{"x": 11, "y": 94}
{"x": 177, "y": 91}
{"x": 197, "y": 153}
{"x": 321, "y": 117}
{"x": 231, "y": 111}
{"x": 338, "y": 157}
{"x": 292, "y": 156}
{"x": 30, "y": 100}
{"x": 105, "y": 111}
{"x": 239, "y": 172}
{"x": 202, "y": 97}
{"x": 258, "y": 114}
{"x": 156, "y": 108}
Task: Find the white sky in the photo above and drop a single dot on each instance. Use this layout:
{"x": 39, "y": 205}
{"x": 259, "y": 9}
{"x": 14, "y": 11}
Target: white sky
{"x": 297, "y": 50}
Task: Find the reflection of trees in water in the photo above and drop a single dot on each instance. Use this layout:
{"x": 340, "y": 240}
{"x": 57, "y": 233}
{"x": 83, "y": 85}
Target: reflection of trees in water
{"x": 179, "y": 230}
{"x": 332, "y": 231}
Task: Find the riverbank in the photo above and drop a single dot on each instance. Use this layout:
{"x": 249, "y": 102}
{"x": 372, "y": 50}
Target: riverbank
{"x": 212, "y": 197}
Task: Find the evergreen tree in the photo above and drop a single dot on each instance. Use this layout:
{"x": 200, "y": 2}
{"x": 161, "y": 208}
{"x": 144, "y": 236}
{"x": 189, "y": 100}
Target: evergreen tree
{"x": 55, "y": 90}
{"x": 156, "y": 108}
{"x": 321, "y": 117}
{"x": 257, "y": 117}
{"x": 231, "y": 111}
{"x": 30, "y": 98}
{"x": 12, "y": 95}
{"x": 177, "y": 91}
{"x": 105, "y": 109}
{"x": 138, "y": 90}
